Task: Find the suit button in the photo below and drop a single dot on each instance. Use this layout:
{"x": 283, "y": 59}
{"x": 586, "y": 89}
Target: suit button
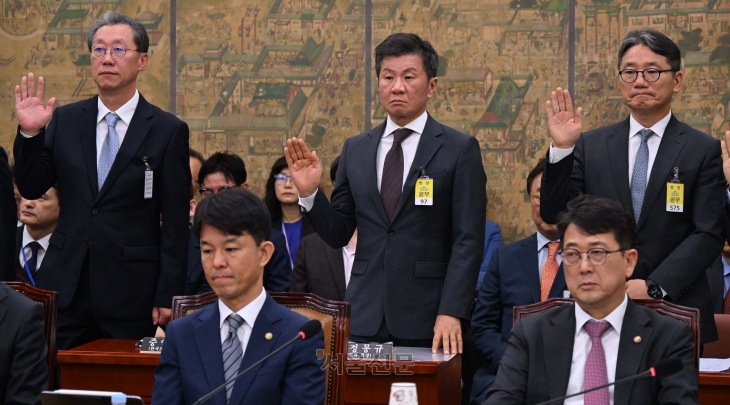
{"x": 94, "y": 211}
{"x": 85, "y": 242}
{"x": 391, "y": 232}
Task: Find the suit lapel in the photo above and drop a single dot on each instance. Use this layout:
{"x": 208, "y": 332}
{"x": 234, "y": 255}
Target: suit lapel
{"x": 370, "y": 153}
{"x": 671, "y": 145}
{"x": 208, "y": 339}
{"x": 630, "y": 353}
{"x": 335, "y": 265}
{"x": 529, "y": 265}
{"x": 559, "y": 285}
{"x": 557, "y": 343}
{"x": 618, "y": 151}
{"x": 257, "y": 348}
{"x": 3, "y": 309}
{"x": 427, "y": 147}
{"x": 87, "y": 133}
{"x": 18, "y": 243}
{"x": 136, "y": 133}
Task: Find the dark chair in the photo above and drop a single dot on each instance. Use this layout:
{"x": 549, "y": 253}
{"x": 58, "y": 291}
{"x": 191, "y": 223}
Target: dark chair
{"x": 335, "y": 319}
{"x": 719, "y": 349}
{"x": 690, "y": 316}
{"x": 47, "y": 299}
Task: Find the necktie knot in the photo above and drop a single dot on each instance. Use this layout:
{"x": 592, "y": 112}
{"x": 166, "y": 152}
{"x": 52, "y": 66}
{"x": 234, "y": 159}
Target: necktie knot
{"x": 111, "y": 119}
{"x": 553, "y": 248}
{"x": 400, "y": 134}
{"x": 596, "y": 329}
{"x": 34, "y": 246}
{"x": 234, "y": 322}
{"x": 645, "y": 134}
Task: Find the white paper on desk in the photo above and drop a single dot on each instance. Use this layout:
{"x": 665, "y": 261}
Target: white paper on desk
{"x": 714, "y": 365}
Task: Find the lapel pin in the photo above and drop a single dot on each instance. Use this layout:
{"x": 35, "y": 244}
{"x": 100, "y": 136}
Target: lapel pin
{"x": 269, "y": 335}
{"x": 637, "y": 339}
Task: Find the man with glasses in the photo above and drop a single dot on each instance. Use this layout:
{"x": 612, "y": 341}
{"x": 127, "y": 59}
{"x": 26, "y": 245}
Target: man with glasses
{"x": 226, "y": 171}
{"x": 662, "y": 171}
{"x": 605, "y": 336}
{"x": 121, "y": 164}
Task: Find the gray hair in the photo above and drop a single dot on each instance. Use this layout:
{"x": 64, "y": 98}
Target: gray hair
{"x": 114, "y": 18}
{"x": 659, "y": 43}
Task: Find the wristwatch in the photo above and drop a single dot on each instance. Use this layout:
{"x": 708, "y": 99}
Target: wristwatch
{"x": 653, "y": 289}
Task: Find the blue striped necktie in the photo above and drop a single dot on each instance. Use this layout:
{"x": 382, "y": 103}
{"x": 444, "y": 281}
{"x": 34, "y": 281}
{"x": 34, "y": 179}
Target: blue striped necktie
{"x": 109, "y": 149}
{"x": 638, "y": 178}
{"x": 232, "y": 351}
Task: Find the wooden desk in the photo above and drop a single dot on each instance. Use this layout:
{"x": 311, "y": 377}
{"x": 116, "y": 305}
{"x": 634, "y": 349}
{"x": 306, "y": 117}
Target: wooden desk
{"x": 715, "y": 388}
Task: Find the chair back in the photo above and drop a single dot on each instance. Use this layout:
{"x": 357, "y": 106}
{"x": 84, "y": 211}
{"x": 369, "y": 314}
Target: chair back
{"x": 719, "y": 349}
{"x": 690, "y": 316}
{"x": 47, "y": 299}
{"x": 333, "y": 315}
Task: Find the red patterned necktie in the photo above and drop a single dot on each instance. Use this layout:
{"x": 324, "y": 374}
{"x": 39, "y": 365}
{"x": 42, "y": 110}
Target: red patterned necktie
{"x": 549, "y": 270}
{"x": 726, "y": 304}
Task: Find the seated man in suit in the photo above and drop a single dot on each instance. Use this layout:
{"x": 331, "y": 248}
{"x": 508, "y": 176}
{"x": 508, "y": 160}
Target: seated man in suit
{"x": 492, "y": 240}
{"x": 23, "y": 349}
{"x": 39, "y": 218}
{"x": 521, "y": 273}
{"x": 321, "y": 269}
{"x": 224, "y": 171}
{"x": 604, "y": 337}
{"x": 209, "y": 347}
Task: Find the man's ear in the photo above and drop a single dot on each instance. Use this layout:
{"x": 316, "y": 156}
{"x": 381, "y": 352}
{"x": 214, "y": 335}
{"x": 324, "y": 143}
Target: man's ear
{"x": 632, "y": 256}
{"x": 244, "y": 185}
{"x": 266, "y": 250}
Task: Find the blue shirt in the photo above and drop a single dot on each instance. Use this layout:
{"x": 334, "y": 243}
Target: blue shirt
{"x": 726, "y": 268}
{"x": 293, "y": 234}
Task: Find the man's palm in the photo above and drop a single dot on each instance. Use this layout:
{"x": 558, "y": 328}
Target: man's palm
{"x": 304, "y": 166}
{"x": 32, "y": 114}
{"x": 564, "y": 125}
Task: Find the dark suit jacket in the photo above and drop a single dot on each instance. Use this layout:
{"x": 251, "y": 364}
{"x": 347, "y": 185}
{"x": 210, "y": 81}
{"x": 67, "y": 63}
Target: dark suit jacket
{"x": 512, "y": 278}
{"x": 675, "y": 249}
{"x": 492, "y": 240}
{"x": 191, "y": 364}
{"x": 16, "y": 253}
{"x": 319, "y": 269}
{"x": 8, "y": 220}
{"x": 115, "y": 227}
{"x": 23, "y": 349}
{"x": 277, "y": 272}
{"x": 424, "y": 262}
{"x": 716, "y": 279}
{"x": 536, "y": 365}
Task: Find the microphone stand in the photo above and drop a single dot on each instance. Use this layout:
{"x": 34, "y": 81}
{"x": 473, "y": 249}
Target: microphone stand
{"x": 641, "y": 375}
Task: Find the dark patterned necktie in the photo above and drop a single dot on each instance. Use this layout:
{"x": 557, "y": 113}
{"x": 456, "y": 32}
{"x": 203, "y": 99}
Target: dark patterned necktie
{"x": 596, "y": 373}
{"x": 391, "y": 185}
{"x": 638, "y": 178}
{"x": 232, "y": 351}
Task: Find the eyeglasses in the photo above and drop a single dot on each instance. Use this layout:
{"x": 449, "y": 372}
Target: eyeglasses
{"x": 596, "y": 256}
{"x": 205, "y": 192}
{"x": 536, "y": 196}
{"x": 117, "y": 52}
{"x": 650, "y": 75}
{"x": 282, "y": 178}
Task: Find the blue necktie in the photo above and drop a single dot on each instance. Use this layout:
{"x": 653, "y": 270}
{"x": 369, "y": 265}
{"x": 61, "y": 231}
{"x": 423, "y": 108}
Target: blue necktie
{"x": 32, "y": 262}
{"x": 638, "y": 178}
{"x": 109, "y": 149}
{"x": 232, "y": 351}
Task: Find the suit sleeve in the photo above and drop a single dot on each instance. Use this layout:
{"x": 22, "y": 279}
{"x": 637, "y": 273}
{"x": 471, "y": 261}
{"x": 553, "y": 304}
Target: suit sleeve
{"x": 493, "y": 240}
{"x": 695, "y": 254}
{"x": 168, "y": 381}
{"x": 277, "y": 272}
{"x": 35, "y": 171}
{"x": 8, "y": 220}
{"x": 561, "y": 182}
{"x": 304, "y": 376}
{"x": 175, "y": 189}
{"x": 510, "y": 386}
{"x": 468, "y": 215}
{"x": 681, "y": 388}
{"x": 299, "y": 280}
{"x": 487, "y": 319}
{"x": 29, "y": 371}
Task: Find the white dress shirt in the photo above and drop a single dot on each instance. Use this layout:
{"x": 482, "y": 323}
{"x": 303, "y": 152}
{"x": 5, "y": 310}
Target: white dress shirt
{"x": 348, "y": 257}
{"x": 542, "y": 253}
{"x": 125, "y": 113}
{"x": 409, "y": 146}
{"x": 249, "y": 313}
{"x": 582, "y": 346}
{"x": 27, "y": 239}
{"x": 557, "y": 154}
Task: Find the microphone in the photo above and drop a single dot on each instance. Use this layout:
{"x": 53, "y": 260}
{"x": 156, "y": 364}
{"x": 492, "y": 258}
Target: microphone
{"x": 307, "y": 331}
{"x": 663, "y": 368}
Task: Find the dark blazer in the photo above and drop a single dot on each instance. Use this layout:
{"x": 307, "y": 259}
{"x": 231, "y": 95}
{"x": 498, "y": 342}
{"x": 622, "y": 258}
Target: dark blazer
{"x": 191, "y": 365}
{"x": 115, "y": 227}
{"x": 512, "y": 278}
{"x": 319, "y": 269}
{"x": 277, "y": 272}
{"x": 675, "y": 249}
{"x": 426, "y": 261}
{"x": 8, "y": 220}
{"x": 492, "y": 240}
{"x": 536, "y": 365}
{"x": 23, "y": 349}
{"x": 17, "y": 265}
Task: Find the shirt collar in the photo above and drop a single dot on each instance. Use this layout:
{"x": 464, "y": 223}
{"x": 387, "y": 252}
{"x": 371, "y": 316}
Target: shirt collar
{"x": 42, "y": 241}
{"x": 542, "y": 241}
{"x": 417, "y": 125}
{"x": 249, "y": 313}
{"x": 615, "y": 318}
{"x": 658, "y": 128}
{"x": 726, "y": 266}
{"x": 124, "y": 112}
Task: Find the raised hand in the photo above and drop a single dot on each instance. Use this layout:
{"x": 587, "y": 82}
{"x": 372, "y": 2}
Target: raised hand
{"x": 563, "y": 123}
{"x": 32, "y": 115}
{"x": 726, "y": 156}
{"x": 304, "y": 166}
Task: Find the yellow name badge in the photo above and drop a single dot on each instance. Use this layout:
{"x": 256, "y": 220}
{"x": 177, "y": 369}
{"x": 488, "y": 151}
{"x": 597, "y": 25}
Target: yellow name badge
{"x": 424, "y": 191}
{"x": 675, "y": 197}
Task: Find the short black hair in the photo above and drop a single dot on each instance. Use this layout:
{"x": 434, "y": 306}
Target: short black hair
{"x": 235, "y": 212}
{"x": 272, "y": 203}
{"x": 194, "y": 154}
{"x": 537, "y": 170}
{"x": 333, "y": 169}
{"x": 58, "y": 192}
{"x": 659, "y": 43}
{"x": 230, "y": 164}
{"x": 400, "y": 44}
{"x": 596, "y": 215}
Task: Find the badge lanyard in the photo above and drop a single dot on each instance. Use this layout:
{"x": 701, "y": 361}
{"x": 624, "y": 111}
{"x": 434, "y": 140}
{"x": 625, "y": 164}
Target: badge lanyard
{"x": 286, "y": 242}
{"x": 27, "y": 269}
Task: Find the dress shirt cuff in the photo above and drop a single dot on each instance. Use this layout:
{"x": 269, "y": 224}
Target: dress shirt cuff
{"x": 558, "y": 154}
{"x": 727, "y": 195}
{"x": 24, "y": 135}
{"x": 308, "y": 202}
